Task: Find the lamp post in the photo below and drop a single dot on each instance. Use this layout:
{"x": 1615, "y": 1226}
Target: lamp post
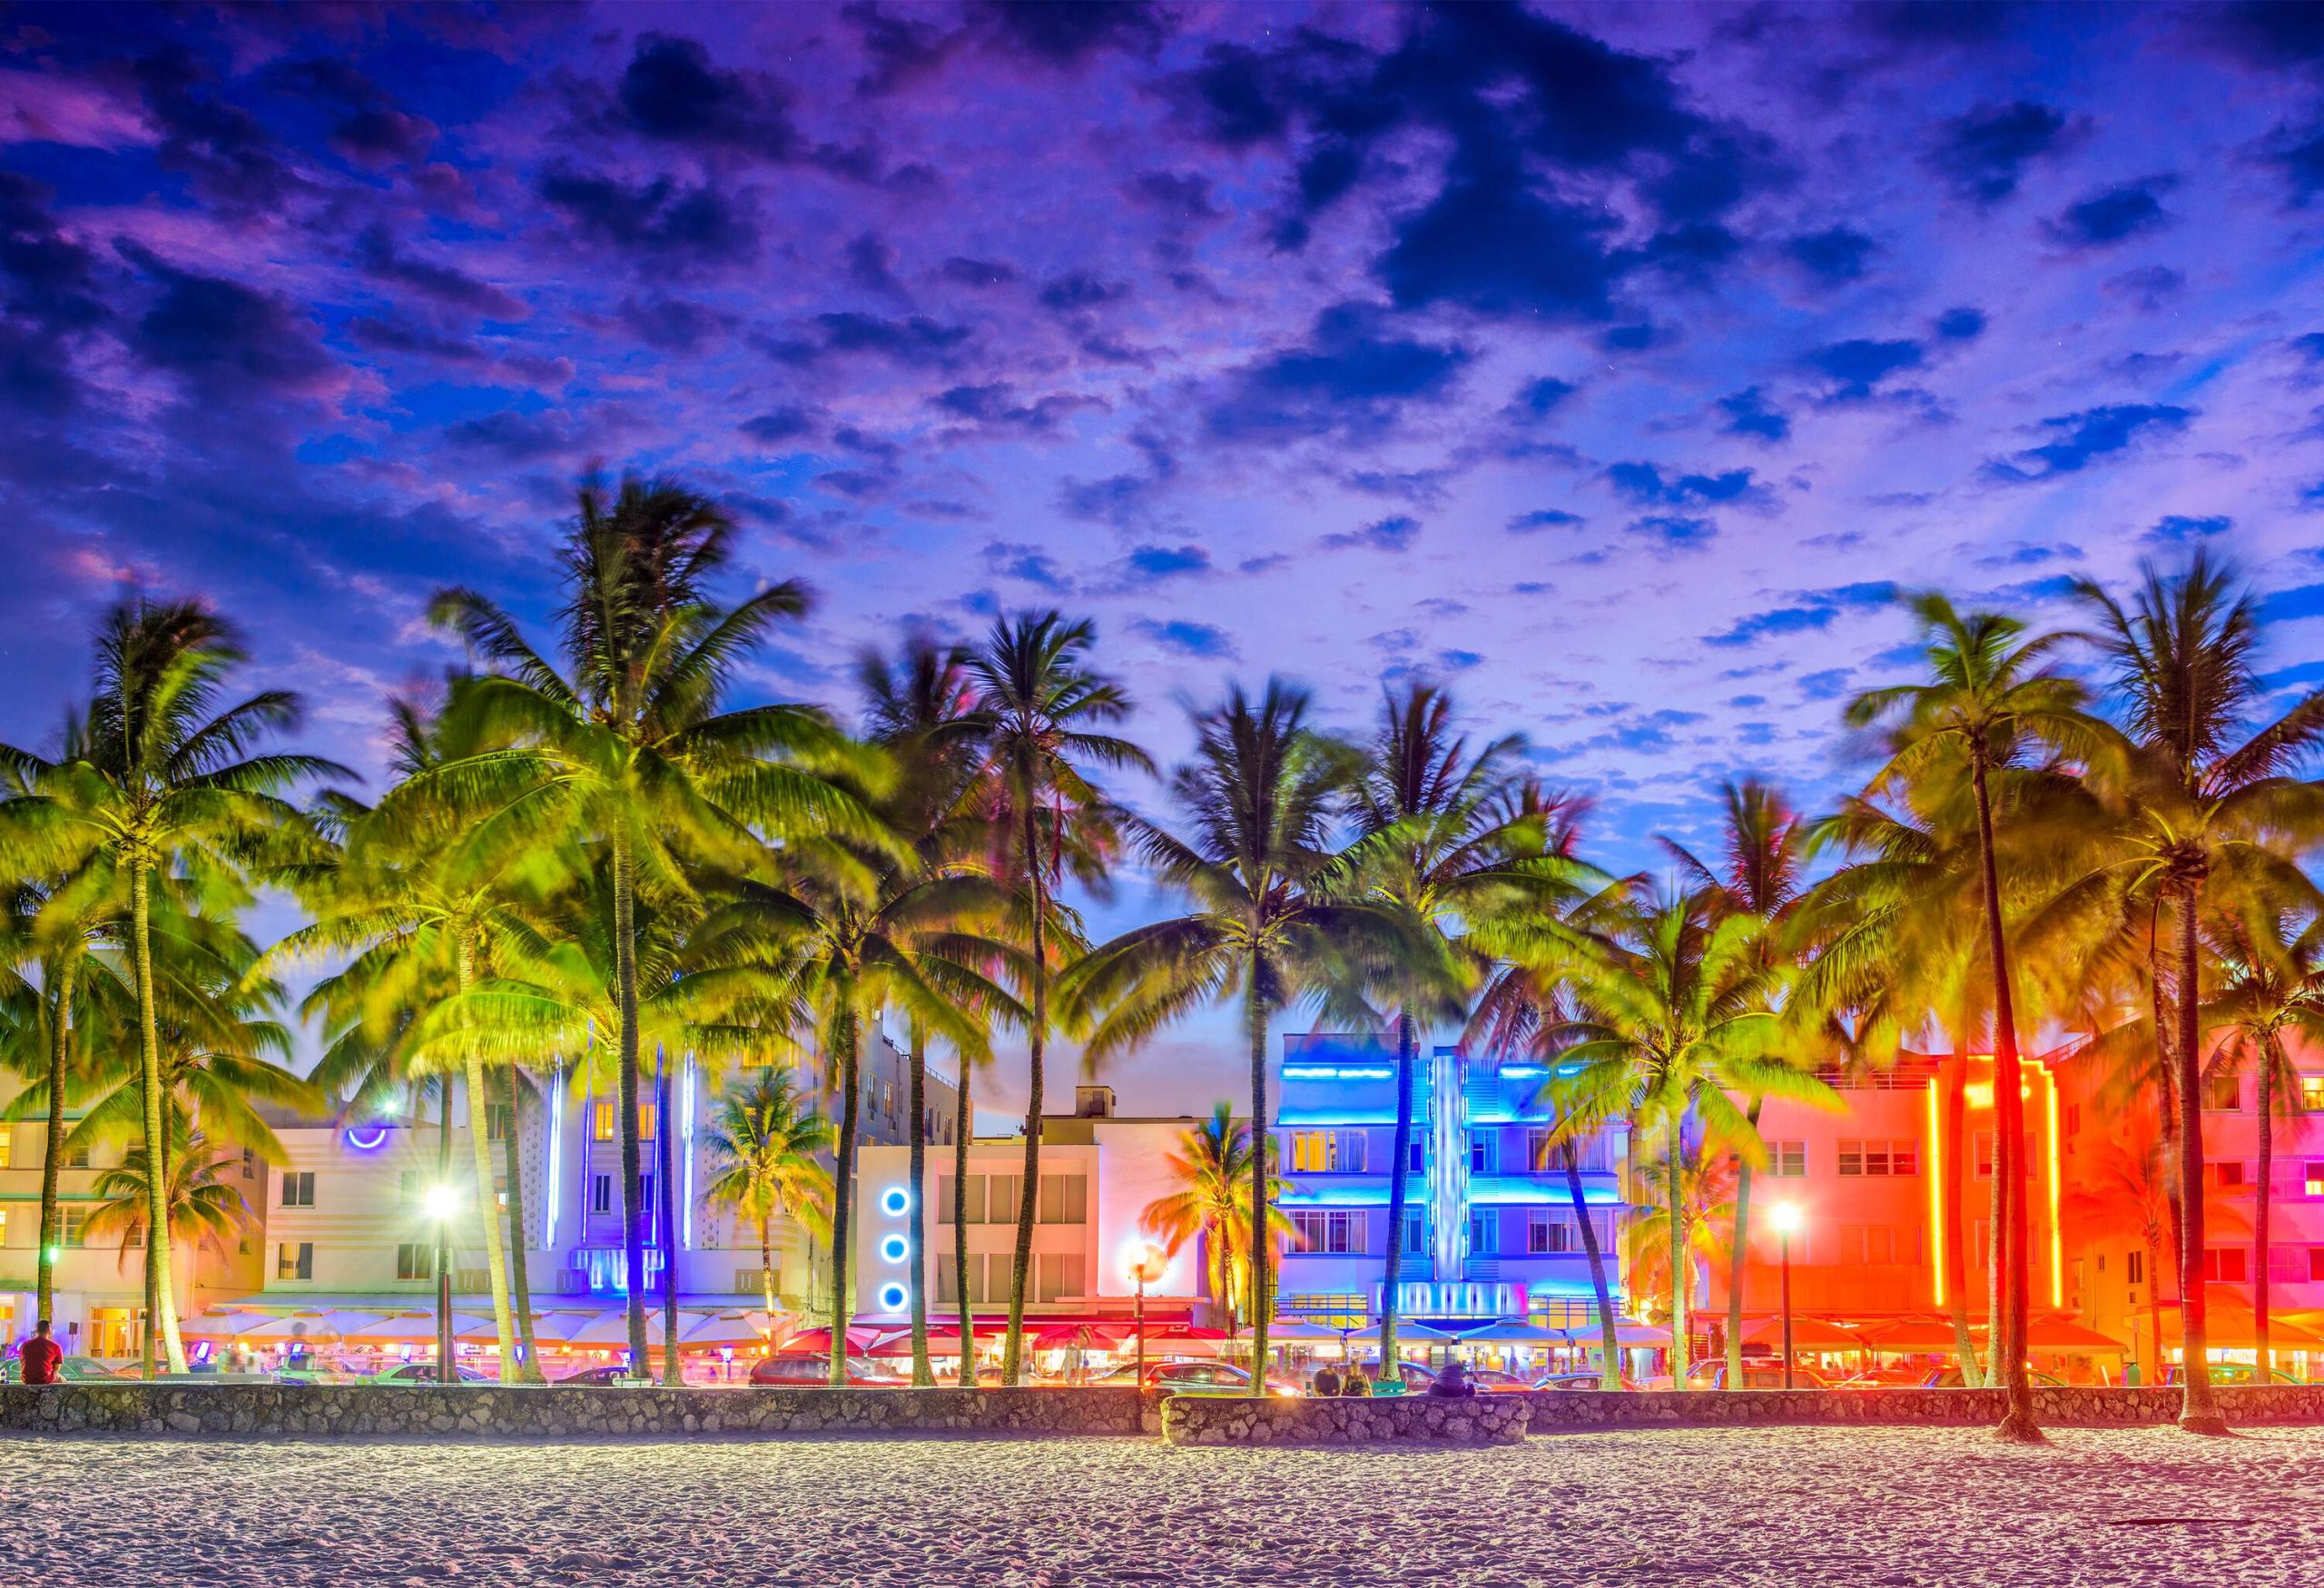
{"x": 443, "y": 1202}
{"x": 1148, "y": 1266}
{"x": 1786, "y": 1216}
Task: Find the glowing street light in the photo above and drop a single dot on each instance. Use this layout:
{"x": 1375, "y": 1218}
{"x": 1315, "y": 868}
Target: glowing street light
{"x": 442, "y": 1205}
{"x": 1786, "y": 1218}
{"x": 1146, "y": 1267}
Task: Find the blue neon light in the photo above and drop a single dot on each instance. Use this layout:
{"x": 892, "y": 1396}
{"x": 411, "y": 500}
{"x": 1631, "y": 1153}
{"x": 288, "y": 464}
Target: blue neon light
{"x": 895, "y": 1249}
{"x": 1337, "y": 1072}
{"x": 893, "y": 1297}
{"x": 548, "y": 1160}
{"x": 367, "y": 1138}
{"x": 685, "y": 1136}
{"x": 895, "y": 1201}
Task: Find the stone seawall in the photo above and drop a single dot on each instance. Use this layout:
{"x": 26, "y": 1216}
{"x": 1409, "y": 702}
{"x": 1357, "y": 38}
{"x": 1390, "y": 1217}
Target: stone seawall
{"x": 315, "y": 1411}
{"x": 2078, "y": 1407}
{"x": 1485, "y": 1419}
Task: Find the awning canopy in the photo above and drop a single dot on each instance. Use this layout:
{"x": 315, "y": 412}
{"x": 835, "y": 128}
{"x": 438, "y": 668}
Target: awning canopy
{"x": 1808, "y": 1333}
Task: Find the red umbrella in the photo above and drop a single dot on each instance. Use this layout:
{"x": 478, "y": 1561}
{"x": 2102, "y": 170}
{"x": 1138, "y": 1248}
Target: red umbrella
{"x": 818, "y": 1343}
{"x": 941, "y": 1342}
{"x": 1085, "y": 1336}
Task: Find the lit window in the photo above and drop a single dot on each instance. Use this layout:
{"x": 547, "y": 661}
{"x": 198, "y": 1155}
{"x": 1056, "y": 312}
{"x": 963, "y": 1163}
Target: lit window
{"x": 2312, "y": 1093}
{"x": 2314, "y": 1264}
{"x": 294, "y": 1262}
{"x": 2312, "y": 1181}
{"x": 2223, "y": 1093}
{"x": 601, "y": 1122}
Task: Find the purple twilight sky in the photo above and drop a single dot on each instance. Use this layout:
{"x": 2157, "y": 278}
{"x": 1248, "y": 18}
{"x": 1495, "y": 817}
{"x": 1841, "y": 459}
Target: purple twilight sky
{"x": 1607, "y": 363}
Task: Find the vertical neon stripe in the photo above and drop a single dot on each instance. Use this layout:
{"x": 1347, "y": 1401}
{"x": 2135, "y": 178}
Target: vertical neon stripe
{"x": 685, "y": 1145}
{"x": 2057, "y": 1244}
{"x": 550, "y": 1166}
{"x": 1935, "y": 1194}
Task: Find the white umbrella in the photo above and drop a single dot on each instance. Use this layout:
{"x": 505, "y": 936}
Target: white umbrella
{"x": 312, "y": 1326}
{"x": 221, "y": 1326}
{"x": 412, "y": 1328}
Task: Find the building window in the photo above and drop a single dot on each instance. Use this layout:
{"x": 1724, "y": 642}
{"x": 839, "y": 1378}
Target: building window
{"x": 1484, "y": 1232}
{"x": 1878, "y": 1158}
{"x": 647, "y": 1121}
{"x": 1415, "y": 1229}
{"x": 2134, "y": 1269}
{"x": 601, "y": 1193}
{"x": 1483, "y": 1155}
{"x": 601, "y": 1122}
{"x": 1056, "y": 1276}
{"x": 78, "y": 1157}
{"x": 414, "y": 1260}
{"x": 2225, "y": 1176}
{"x": 7, "y": 1140}
{"x": 250, "y": 1164}
{"x": 2313, "y": 1179}
{"x": 1865, "y": 1244}
{"x": 2316, "y": 1265}
{"x": 1547, "y": 1234}
{"x": 1537, "y": 1148}
{"x": 495, "y": 1121}
{"x": 1418, "y": 1160}
{"x": 2312, "y": 1093}
{"x": 74, "y": 1217}
{"x": 1065, "y": 1199}
{"x": 2223, "y": 1093}
{"x": 1328, "y": 1231}
{"x": 2227, "y": 1265}
{"x": 294, "y": 1262}
{"x": 1787, "y": 1161}
{"x": 298, "y": 1189}
{"x": 1319, "y": 1152}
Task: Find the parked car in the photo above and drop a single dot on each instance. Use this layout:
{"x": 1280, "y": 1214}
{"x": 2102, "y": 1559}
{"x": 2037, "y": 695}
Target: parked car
{"x": 70, "y": 1370}
{"x": 2230, "y": 1373}
{"x": 814, "y": 1372}
{"x": 1221, "y": 1378}
{"x": 425, "y": 1373}
{"x": 314, "y": 1370}
{"x": 1410, "y": 1377}
{"x": 611, "y": 1372}
{"x": 1950, "y": 1378}
{"x": 1755, "y": 1376}
{"x": 1493, "y": 1381}
{"x": 1579, "y": 1381}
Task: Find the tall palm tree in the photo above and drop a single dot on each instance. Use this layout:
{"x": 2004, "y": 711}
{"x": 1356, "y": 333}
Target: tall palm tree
{"x": 1447, "y": 842}
{"x": 766, "y": 1145}
{"x": 1258, "y": 800}
{"x": 922, "y": 710}
{"x": 1702, "y": 1200}
{"x": 1675, "y": 1012}
{"x": 1762, "y": 876}
{"x": 627, "y": 746}
{"x": 2207, "y": 796}
{"x": 1212, "y": 1170}
{"x": 1042, "y": 707}
{"x": 199, "y": 1202}
{"x": 170, "y": 780}
{"x": 1993, "y": 697}
{"x": 2271, "y": 986}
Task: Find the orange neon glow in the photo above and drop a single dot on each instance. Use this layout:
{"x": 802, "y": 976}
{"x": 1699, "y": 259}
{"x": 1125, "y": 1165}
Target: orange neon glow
{"x": 1936, "y": 1191}
{"x": 2057, "y": 1251}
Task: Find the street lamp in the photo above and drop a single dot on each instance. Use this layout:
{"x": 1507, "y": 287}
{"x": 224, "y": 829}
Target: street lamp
{"x": 1785, "y": 1217}
{"x": 442, "y": 1203}
{"x": 1150, "y": 1263}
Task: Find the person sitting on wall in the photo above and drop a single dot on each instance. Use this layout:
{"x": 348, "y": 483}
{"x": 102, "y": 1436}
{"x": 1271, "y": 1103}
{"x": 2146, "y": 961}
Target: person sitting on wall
{"x": 1326, "y": 1381}
{"x": 1353, "y": 1382}
{"x": 41, "y": 1356}
{"x": 1452, "y": 1384}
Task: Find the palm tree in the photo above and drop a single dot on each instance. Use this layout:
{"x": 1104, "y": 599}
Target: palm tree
{"x": 627, "y": 746}
{"x": 766, "y": 1146}
{"x": 2271, "y": 985}
{"x": 1449, "y": 844}
{"x": 2206, "y": 797}
{"x": 1676, "y": 1012}
{"x": 194, "y": 1193}
{"x": 1211, "y": 1170}
{"x": 1041, "y": 707}
{"x": 420, "y": 919}
{"x": 167, "y": 781}
{"x": 1702, "y": 1200}
{"x": 922, "y": 711}
{"x": 1992, "y": 697}
{"x": 1258, "y": 798}
{"x": 1763, "y": 877}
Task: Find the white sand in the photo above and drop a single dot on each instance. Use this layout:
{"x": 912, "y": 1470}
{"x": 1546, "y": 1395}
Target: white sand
{"x": 1839, "y": 1506}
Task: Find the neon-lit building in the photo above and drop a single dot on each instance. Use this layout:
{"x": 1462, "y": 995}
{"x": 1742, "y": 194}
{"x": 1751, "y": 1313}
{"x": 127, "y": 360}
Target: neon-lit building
{"x": 1490, "y": 1227}
{"x": 1099, "y": 1172}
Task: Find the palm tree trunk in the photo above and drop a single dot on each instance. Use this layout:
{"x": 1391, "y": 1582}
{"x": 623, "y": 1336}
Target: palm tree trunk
{"x": 161, "y": 1302}
{"x": 2009, "y": 1323}
{"x": 52, "y": 1163}
{"x": 1609, "y": 1340}
{"x": 1400, "y": 1161}
{"x": 520, "y": 1283}
{"x": 487, "y": 1209}
{"x": 1681, "y": 1267}
{"x": 1012, "y": 1360}
{"x": 1262, "y": 1284}
{"x": 961, "y": 1231}
{"x": 2199, "y": 1410}
{"x": 843, "y": 1190}
{"x": 923, "y": 1376}
{"x": 2266, "y": 1168}
{"x": 1950, "y": 1185}
{"x": 665, "y": 1137}
{"x": 445, "y": 1373}
{"x": 633, "y": 1217}
{"x": 2154, "y": 1305}
{"x": 1737, "y": 1260}
{"x": 766, "y": 1262}
{"x": 2166, "y": 1110}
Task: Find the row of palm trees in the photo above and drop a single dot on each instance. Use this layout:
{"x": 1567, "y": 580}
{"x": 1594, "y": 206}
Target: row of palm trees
{"x": 589, "y": 859}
